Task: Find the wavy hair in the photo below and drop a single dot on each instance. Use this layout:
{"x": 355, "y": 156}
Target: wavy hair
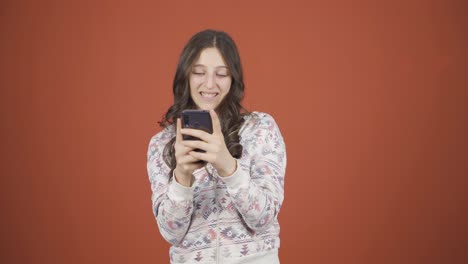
{"x": 230, "y": 110}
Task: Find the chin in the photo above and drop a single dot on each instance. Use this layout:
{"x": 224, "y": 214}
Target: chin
{"x": 207, "y": 107}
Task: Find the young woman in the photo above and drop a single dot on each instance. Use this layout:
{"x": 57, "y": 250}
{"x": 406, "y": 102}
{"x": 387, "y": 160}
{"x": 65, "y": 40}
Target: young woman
{"x": 224, "y": 209}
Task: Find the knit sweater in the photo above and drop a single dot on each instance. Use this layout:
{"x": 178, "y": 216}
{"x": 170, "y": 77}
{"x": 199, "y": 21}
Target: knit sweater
{"x": 223, "y": 219}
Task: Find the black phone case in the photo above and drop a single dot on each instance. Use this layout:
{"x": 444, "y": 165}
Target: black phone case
{"x": 196, "y": 119}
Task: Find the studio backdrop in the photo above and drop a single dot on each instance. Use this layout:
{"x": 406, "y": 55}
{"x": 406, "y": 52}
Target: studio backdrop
{"x": 370, "y": 97}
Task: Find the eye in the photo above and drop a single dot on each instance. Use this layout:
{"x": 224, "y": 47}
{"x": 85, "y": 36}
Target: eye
{"x": 222, "y": 73}
{"x": 198, "y": 73}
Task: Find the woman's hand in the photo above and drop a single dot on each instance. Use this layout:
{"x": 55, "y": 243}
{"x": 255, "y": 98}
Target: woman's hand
{"x": 186, "y": 163}
{"x": 216, "y": 151}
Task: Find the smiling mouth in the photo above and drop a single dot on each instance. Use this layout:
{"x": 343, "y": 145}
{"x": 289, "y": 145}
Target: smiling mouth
{"x": 208, "y": 95}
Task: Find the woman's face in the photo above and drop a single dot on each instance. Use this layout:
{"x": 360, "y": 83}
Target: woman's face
{"x": 210, "y": 79}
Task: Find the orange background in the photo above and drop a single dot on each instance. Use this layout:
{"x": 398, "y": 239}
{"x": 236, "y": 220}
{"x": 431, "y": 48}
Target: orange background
{"x": 370, "y": 97}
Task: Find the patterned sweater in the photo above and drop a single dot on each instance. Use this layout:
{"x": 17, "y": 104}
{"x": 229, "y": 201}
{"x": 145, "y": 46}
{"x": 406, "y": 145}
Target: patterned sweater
{"x": 219, "y": 219}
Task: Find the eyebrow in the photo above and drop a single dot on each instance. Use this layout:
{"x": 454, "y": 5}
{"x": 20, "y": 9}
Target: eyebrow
{"x": 217, "y": 67}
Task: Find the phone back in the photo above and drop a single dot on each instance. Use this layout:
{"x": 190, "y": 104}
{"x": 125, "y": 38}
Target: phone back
{"x": 196, "y": 119}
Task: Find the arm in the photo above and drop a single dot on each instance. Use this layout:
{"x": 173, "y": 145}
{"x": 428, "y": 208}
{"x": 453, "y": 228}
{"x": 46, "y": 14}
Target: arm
{"x": 257, "y": 189}
{"x": 172, "y": 203}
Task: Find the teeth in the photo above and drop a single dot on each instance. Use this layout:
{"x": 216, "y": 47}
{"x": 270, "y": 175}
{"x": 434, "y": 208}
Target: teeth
{"x": 208, "y": 94}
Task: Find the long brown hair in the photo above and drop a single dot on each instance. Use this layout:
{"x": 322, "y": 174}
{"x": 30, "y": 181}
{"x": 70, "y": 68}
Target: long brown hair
{"x": 230, "y": 110}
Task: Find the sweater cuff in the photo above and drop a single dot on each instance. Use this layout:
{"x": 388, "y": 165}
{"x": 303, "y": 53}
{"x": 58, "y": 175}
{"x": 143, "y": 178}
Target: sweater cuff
{"x": 179, "y": 193}
{"x": 238, "y": 180}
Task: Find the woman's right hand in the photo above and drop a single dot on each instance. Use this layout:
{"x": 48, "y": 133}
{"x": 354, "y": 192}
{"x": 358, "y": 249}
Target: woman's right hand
{"x": 186, "y": 164}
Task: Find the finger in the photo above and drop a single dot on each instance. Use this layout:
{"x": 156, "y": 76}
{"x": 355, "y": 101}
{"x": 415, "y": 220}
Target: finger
{"x": 200, "y": 156}
{"x": 178, "y": 133}
{"x": 216, "y": 122}
{"x": 187, "y": 159}
{"x": 197, "y": 144}
{"x": 196, "y": 133}
{"x": 181, "y": 149}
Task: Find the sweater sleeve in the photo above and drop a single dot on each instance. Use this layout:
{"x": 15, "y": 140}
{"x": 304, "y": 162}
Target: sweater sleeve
{"x": 257, "y": 186}
{"x": 172, "y": 203}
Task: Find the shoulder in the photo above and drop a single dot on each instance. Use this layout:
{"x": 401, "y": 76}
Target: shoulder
{"x": 256, "y": 122}
{"x": 261, "y": 135}
{"x": 160, "y": 140}
{"x": 258, "y": 119}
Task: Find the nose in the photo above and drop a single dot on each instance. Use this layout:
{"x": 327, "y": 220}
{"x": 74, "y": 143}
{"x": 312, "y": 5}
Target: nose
{"x": 210, "y": 80}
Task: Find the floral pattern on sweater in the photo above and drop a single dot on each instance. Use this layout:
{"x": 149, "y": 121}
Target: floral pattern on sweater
{"x": 222, "y": 217}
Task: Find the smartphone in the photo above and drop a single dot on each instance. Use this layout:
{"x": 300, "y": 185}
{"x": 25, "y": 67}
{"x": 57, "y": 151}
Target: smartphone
{"x": 196, "y": 119}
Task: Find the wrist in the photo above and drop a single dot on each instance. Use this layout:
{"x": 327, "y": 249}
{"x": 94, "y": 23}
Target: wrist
{"x": 230, "y": 169}
{"x": 182, "y": 179}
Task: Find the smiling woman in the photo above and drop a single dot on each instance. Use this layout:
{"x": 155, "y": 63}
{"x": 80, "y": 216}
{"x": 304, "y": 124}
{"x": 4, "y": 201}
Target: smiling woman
{"x": 224, "y": 209}
{"x": 210, "y": 80}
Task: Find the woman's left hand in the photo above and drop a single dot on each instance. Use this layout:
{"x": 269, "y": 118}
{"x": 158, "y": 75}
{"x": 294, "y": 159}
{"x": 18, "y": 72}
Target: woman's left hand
{"x": 216, "y": 151}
